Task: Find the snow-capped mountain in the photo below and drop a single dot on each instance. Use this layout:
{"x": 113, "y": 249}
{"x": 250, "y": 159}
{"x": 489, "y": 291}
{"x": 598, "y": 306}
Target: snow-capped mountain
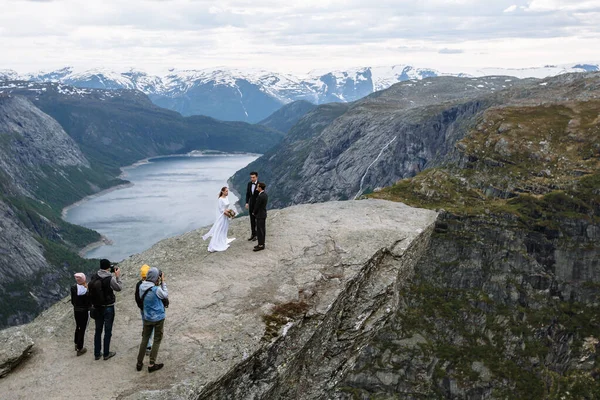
{"x": 8, "y": 75}
{"x": 534, "y": 72}
{"x": 252, "y": 95}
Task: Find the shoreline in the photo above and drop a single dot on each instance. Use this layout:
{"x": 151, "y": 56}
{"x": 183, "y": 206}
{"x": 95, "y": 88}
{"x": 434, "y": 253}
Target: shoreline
{"x": 123, "y": 174}
{"x": 63, "y": 213}
{"x": 105, "y": 241}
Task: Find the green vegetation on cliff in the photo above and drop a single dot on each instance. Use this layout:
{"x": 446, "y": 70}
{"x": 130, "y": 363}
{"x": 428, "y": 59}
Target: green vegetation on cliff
{"x": 538, "y": 163}
{"x": 507, "y": 300}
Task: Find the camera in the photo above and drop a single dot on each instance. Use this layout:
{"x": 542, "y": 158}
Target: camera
{"x": 159, "y": 282}
{"x": 114, "y": 267}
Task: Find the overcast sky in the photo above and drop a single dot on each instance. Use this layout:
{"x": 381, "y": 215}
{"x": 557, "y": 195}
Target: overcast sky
{"x": 278, "y": 35}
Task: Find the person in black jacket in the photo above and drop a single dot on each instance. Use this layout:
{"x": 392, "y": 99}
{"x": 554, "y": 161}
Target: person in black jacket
{"x": 260, "y": 213}
{"x": 81, "y": 307}
{"x": 251, "y": 194}
{"x": 102, "y": 287}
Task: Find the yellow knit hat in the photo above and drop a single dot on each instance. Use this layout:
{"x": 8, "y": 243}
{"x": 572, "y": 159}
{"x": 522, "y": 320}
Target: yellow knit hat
{"x": 144, "y": 270}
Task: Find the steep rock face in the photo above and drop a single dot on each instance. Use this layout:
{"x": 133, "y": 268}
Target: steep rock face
{"x": 395, "y": 134}
{"x": 371, "y": 143}
{"x": 327, "y": 280}
{"x": 505, "y": 303}
{"x": 296, "y": 145}
{"x": 38, "y": 160}
{"x": 287, "y": 116}
{"x": 494, "y": 310}
{"x": 21, "y": 259}
{"x": 30, "y": 140}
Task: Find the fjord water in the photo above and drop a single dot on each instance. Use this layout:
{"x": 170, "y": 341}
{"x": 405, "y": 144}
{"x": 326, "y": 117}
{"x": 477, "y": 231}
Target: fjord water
{"x": 169, "y": 196}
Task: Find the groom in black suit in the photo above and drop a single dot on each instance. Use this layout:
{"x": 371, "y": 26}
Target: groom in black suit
{"x": 260, "y": 213}
{"x": 251, "y": 194}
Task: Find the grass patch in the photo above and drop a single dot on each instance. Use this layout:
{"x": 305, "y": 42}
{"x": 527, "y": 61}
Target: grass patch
{"x": 281, "y": 315}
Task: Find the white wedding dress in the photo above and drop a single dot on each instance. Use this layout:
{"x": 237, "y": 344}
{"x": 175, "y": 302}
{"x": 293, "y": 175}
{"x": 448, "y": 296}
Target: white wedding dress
{"x": 218, "y": 232}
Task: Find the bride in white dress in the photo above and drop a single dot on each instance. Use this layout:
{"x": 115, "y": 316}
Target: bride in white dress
{"x": 218, "y": 232}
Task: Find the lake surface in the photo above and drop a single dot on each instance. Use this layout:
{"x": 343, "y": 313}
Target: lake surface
{"x": 170, "y": 196}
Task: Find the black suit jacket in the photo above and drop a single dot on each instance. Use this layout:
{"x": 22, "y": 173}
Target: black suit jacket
{"x": 260, "y": 207}
{"x": 251, "y": 197}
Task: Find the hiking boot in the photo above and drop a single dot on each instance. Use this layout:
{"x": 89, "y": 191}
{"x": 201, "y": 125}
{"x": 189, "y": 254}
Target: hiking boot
{"x": 110, "y": 354}
{"x": 138, "y": 367}
{"x": 81, "y": 352}
{"x": 155, "y": 367}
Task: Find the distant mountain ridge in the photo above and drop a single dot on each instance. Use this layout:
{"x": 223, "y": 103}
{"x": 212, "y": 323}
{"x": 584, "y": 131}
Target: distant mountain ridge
{"x": 252, "y": 95}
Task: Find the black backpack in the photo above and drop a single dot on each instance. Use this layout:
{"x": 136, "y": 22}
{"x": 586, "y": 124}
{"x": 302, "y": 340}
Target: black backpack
{"x": 140, "y": 300}
{"x": 98, "y": 290}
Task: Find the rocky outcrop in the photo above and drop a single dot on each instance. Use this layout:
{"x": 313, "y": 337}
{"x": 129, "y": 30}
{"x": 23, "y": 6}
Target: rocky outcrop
{"x": 244, "y": 324}
{"x": 31, "y": 140}
{"x": 493, "y": 311}
{"x": 14, "y": 347}
{"x": 21, "y": 259}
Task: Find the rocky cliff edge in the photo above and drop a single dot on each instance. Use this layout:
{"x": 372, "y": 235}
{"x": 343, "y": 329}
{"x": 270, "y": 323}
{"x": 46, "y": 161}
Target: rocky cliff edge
{"x": 326, "y": 282}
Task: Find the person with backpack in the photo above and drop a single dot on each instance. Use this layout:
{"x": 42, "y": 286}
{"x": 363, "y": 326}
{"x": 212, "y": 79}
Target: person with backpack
{"x": 138, "y": 300}
{"x": 81, "y": 307}
{"x": 101, "y": 291}
{"x": 154, "y": 294}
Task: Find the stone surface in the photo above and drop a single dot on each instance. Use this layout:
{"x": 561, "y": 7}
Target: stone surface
{"x": 334, "y": 256}
{"x": 15, "y": 345}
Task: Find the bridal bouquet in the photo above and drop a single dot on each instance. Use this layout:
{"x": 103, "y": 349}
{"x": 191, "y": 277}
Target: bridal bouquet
{"x": 230, "y": 213}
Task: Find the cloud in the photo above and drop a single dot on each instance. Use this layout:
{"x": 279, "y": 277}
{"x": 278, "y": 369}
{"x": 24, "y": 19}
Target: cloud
{"x": 450, "y": 51}
{"x": 200, "y": 32}
{"x": 563, "y": 5}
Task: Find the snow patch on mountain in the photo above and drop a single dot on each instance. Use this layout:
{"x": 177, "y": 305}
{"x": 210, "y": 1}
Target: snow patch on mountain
{"x": 317, "y": 86}
{"x": 252, "y": 94}
{"x": 8, "y": 75}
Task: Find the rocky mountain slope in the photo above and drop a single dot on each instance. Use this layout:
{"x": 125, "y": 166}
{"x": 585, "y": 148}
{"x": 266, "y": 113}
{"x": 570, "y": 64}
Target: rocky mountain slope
{"x": 506, "y": 301}
{"x": 339, "y": 267}
{"x": 252, "y": 95}
{"x": 287, "y": 116}
{"x": 394, "y": 134}
{"x": 37, "y": 159}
